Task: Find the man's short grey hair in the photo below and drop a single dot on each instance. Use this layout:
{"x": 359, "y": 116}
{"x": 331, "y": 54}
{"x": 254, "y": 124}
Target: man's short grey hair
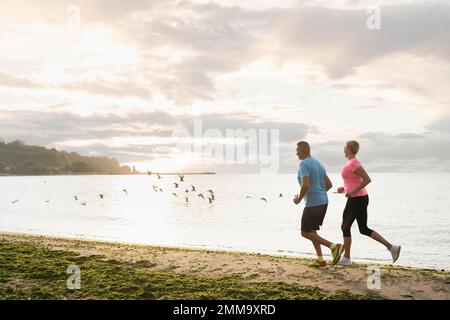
{"x": 304, "y": 145}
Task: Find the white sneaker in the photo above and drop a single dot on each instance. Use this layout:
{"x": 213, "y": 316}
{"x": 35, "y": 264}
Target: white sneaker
{"x": 395, "y": 252}
{"x": 345, "y": 262}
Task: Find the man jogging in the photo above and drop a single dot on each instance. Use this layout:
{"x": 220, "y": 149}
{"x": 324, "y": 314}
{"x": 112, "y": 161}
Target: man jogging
{"x": 314, "y": 184}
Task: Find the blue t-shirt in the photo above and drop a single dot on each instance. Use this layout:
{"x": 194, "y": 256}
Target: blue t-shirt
{"x": 317, "y": 193}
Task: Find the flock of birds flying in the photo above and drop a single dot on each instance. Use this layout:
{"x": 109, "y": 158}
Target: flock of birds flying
{"x": 192, "y": 190}
{"x": 209, "y": 194}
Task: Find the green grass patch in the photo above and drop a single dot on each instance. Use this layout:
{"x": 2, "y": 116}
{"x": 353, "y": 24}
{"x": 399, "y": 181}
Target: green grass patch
{"x": 32, "y": 272}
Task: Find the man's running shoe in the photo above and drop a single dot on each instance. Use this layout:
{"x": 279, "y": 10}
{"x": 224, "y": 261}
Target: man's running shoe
{"x": 318, "y": 264}
{"x": 337, "y": 252}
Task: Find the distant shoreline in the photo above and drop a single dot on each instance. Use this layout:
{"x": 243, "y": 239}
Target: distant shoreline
{"x": 107, "y": 174}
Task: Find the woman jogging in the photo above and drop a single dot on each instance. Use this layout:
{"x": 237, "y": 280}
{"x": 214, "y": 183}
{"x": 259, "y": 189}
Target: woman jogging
{"x": 355, "y": 181}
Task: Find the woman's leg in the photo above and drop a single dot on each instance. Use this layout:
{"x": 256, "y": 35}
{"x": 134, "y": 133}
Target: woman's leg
{"x": 376, "y": 236}
{"x": 347, "y": 246}
{"x": 348, "y": 218}
{"x": 362, "y": 218}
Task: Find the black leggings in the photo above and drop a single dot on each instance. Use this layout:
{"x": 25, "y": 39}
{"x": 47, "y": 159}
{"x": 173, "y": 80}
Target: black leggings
{"x": 356, "y": 208}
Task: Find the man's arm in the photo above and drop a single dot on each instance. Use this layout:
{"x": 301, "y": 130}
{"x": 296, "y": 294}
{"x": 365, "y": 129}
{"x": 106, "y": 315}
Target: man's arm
{"x": 328, "y": 184}
{"x": 303, "y": 190}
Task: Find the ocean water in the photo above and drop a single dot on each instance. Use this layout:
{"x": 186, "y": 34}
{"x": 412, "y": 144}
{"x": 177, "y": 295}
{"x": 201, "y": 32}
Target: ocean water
{"x": 410, "y": 209}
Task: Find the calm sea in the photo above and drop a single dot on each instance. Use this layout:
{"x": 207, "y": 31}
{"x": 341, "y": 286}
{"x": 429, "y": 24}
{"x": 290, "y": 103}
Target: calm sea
{"x": 410, "y": 209}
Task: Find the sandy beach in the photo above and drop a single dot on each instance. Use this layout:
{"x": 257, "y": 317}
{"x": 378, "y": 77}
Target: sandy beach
{"x": 396, "y": 282}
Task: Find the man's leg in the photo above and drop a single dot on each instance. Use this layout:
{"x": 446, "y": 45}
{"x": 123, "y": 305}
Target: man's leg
{"x": 315, "y": 238}
{"x": 336, "y": 249}
{"x": 318, "y": 248}
{"x": 319, "y": 262}
{"x": 312, "y": 219}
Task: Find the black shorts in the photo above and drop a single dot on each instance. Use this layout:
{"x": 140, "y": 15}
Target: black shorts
{"x": 312, "y": 217}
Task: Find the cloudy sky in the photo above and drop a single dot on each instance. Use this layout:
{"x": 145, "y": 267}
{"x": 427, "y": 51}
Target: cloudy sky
{"x": 118, "y": 78}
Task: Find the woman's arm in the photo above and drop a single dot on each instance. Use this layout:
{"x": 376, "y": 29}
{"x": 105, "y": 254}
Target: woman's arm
{"x": 366, "y": 180}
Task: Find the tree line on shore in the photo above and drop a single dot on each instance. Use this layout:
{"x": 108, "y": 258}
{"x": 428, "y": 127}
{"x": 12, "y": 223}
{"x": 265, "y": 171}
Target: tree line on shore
{"x": 18, "y": 158}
